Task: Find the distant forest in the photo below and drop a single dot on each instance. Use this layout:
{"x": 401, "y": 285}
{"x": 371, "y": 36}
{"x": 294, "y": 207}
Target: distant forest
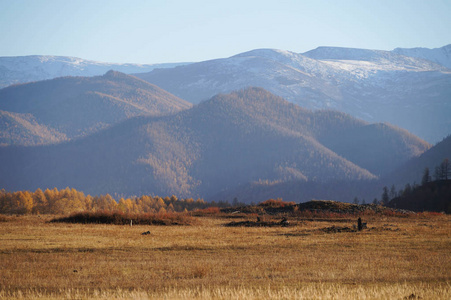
{"x": 68, "y": 201}
{"x": 431, "y": 195}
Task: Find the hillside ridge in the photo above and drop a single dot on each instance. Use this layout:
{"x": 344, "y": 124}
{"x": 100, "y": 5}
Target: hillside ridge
{"x": 219, "y": 145}
{"x": 73, "y": 107}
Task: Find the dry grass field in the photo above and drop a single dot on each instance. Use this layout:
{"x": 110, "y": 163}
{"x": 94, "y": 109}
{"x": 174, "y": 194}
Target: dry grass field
{"x": 395, "y": 258}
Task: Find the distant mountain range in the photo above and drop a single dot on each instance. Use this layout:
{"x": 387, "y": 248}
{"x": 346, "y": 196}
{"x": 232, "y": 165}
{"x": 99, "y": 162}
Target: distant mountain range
{"x": 318, "y": 124}
{"x": 69, "y": 107}
{"x": 441, "y": 55}
{"x": 22, "y": 69}
{"x": 377, "y": 86}
{"x": 409, "y": 88}
{"x": 218, "y": 146}
{"x": 409, "y": 172}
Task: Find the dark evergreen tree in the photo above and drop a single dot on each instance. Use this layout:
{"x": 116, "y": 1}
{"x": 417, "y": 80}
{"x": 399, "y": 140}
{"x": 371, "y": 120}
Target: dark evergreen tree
{"x": 393, "y": 192}
{"x": 385, "y": 197}
{"x": 443, "y": 171}
{"x": 445, "y": 167}
{"x": 426, "y": 177}
{"x": 407, "y": 190}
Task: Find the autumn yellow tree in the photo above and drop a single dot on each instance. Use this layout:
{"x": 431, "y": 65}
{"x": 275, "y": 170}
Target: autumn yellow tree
{"x": 104, "y": 202}
{"x": 22, "y": 202}
{"x": 40, "y": 202}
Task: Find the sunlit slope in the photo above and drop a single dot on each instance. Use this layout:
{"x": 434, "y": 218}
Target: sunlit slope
{"x": 231, "y": 140}
{"x": 77, "y": 106}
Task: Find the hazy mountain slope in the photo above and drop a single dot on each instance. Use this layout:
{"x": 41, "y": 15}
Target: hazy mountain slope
{"x": 302, "y": 191}
{"x": 76, "y": 106}
{"x": 275, "y": 70}
{"x": 440, "y": 55}
{"x": 22, "y": 129}
{"x": 103, "y": 162}
{"x": 219, "y": 145}
{"x": 22, "y": 69}
{"x": 368, "y": 61}
{"x": 254, "y": 135}
{"x": 412, "y": 171}
{"x": 377, "y": 86}
{"x": 367, "y": 145}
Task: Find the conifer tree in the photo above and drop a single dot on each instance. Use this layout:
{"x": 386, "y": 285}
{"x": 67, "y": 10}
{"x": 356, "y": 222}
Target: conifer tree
{"x": 443, "y": 171}
{"x": 385, "y": 198}
{"x": 393, "y": 192}
{"x": 426, "y": 177}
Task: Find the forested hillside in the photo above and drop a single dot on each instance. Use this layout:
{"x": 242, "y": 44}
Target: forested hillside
{"x": 23, "y": 129}
{"x": 221, "y": 144}
{"x": 367, "y": 145}
{"x": 412, "y": 171}
{"x": 64, "y": 108}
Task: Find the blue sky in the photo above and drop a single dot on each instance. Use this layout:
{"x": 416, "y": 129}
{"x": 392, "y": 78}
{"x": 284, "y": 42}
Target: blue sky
{"x": 138, "y": 31}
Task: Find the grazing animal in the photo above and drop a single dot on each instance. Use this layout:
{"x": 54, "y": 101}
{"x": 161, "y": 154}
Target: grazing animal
{"x": 145, "y": 233}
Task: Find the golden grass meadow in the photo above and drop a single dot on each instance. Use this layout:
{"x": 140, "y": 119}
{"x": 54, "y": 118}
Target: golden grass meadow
{"x": 394, "y": 258}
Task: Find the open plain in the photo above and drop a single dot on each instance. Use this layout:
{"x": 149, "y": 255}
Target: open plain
{"x": 394, "y": 258}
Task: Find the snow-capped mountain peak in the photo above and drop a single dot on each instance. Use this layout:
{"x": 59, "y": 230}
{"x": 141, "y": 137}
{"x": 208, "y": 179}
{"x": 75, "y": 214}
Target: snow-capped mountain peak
{"x": 22, "y": 69}
{"x": 440, "y": 56}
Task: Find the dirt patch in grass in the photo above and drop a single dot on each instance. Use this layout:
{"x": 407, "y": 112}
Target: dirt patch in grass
{"x": 282, "y": 223}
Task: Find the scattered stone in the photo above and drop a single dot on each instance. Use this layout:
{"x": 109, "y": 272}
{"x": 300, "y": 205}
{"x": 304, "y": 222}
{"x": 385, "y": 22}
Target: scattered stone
{"x": 284, "y": 222}
{"x": 335, "y": 229}
{"x": 412, "y": 296}
{"x": 257, "y": 224}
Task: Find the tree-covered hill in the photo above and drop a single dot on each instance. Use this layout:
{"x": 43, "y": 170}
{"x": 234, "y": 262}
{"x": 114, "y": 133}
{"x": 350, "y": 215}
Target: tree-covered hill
{"x": 23, "y": 129}
{"x": 431, "y": 196}
{"x": 76, "y": 106}
{"x": 219, "y": 145}
{"x": 412, "y": 170}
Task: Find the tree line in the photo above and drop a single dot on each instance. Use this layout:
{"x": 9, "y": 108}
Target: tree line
{"x": 433, "y": 194}
{"x": 442, "y": 172}
{"x": 66, "y": 201}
